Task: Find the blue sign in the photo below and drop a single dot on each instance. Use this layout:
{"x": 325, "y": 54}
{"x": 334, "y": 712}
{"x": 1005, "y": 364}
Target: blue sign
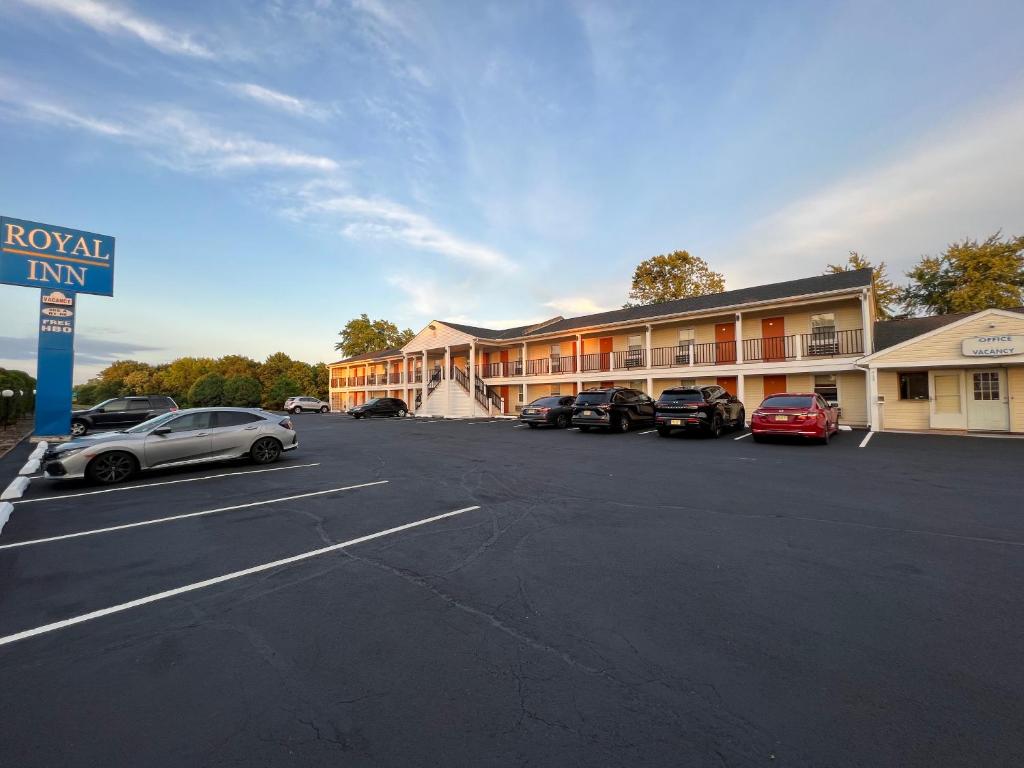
{"x": 50, "y": 257}
{"x": 57, "y": 310}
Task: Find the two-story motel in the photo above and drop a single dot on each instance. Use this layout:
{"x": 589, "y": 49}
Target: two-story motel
{"x": 813, "y": 334}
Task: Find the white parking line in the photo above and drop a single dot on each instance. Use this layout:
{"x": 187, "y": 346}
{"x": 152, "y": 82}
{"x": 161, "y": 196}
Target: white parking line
{"x": 172, "y": 518}
{"x": 648, "y": 432}
{"x": 220, "y": 579}
{"x": 166, "y": 482}
{"x": 867, "y": 437}
{"x": 748, "y": 434}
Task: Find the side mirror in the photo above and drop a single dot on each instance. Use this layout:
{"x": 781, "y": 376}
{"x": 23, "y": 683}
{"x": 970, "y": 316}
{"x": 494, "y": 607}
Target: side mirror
{"x": 161, "y": 431}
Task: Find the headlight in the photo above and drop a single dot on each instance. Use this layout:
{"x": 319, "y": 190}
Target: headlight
{"x": 71, "y": 452}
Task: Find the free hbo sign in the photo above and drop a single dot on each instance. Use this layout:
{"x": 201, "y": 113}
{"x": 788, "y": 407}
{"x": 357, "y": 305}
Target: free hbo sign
{"x": 47, "y": 256}
{"x": 993, "y": 346}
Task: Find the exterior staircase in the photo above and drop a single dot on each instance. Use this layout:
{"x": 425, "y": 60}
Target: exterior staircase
{"x": 450, "y": 397}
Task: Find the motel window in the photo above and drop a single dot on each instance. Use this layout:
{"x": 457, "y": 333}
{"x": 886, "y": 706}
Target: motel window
{"x": 914, "y": 385}
{"x": 556, "y": 358}
{"x": 826, "y": 386}
{"x": 555, "y": 390}
{"x": 692, "y": 383}
{"x": 520, "y": 395}
{"x": 686, "y": 337}
{"x": 635, "y": 342}
{"x": 823, "y": 325}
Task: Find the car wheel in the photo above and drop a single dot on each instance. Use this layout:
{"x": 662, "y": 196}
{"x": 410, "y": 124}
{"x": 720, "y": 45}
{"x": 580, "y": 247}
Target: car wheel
{"x": 741, "y": 420}
{"x": 716, "y": 426}
{"x": 324, "y": 409}
{"x": 585, "y": 428}
{"x": 759, "y": 438}
{"x": 664, "y": 431}
{"x": 531, "y": 425}
{"x": 562, "y": 421}
{"x": 824, "y": 440}
{"x": 622, "y": 425}
{"x": 296, "y": 409}
{"x": 265, "y": 451}
{"x": 111, "y": 467}
{"x": 78, "y": 428}
{"x": 401, "y": 414}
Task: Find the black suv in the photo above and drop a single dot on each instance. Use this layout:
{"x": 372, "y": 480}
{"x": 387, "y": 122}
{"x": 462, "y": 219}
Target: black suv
{"x": 615, "y": 408}
{"x": 380, "y": 406}
{"x": 120, "y": 412}
{"x": 705, "y": 409}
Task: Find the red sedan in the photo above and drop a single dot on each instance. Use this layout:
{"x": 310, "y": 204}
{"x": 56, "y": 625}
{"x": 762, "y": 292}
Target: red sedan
{"x": 799, "y": 414}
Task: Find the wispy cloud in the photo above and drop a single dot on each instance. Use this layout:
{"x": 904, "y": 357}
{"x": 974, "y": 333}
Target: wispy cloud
{"x": 112, "y": 20}
{"x": 575, "y": 305}
{"x": 88, "y": 350}
{"x": 965, "y": 180}
{"x": 280, "y": 101}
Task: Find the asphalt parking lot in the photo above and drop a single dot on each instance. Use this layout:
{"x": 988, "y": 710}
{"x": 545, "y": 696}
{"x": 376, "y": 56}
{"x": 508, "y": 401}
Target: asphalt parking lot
{"x": 580, "y": 599}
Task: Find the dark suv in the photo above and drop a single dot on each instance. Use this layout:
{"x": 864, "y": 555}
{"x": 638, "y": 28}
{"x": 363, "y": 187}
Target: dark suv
{"x": 120, "y": 412}
{"x": 705, "y": 409}
{"x": 615, "y": 408}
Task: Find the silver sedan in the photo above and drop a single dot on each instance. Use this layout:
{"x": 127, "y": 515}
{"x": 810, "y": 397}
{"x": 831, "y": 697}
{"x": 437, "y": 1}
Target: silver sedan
{"x": 192, "y": 436}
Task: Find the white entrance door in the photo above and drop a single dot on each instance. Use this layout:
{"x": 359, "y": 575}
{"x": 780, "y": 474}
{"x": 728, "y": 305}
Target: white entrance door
{"x": 947, "y": 401}
{"x": 988, "y": 406}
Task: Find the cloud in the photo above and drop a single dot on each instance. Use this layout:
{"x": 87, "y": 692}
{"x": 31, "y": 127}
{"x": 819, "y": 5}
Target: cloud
{"x": 88, "y": 351}
{"x": 377, "y": 218}
{"x": 280, "y": 101}
{"x": 575, "y": 305}
{"x": 964, "y": 181}
{"x": 111, "y": 20}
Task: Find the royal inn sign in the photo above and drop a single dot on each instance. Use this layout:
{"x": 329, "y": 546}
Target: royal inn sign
{"x": 62, "y": 263}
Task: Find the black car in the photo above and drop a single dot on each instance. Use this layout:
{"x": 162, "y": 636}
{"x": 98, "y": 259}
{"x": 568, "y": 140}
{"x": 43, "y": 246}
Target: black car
{"x": 616, "y": 408}
{"x": 379, "y": 406}
{"x": 708, "y": 410}
{"x": 554, "y": 411}
{"x": 119, "y": 413}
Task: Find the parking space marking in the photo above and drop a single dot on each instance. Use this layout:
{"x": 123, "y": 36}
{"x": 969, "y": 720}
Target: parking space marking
{"x": 221, "y": 579}
{"x": 867, "y": 437}
{"x": 167, "y": 482}
{"x": 172, "y": 518}
{"x": 748, "y": 434}
{"x": 648, "y": 432}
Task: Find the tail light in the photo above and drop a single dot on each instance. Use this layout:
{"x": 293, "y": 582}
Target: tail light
{"x": 286, "y": 423}
{"x": 173, "y": 408}
{"x": 543, "y": 410}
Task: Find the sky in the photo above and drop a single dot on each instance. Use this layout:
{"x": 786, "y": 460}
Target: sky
{"x": 272, "y": 168}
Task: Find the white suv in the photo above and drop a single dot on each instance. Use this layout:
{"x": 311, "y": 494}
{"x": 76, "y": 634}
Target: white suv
{"x": 300, "y": 404}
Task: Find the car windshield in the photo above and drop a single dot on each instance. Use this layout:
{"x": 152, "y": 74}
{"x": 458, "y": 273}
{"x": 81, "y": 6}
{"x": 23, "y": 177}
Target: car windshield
{"x": 592, "y": 398}
{"x": 549, "y": 402}
{"x": 372, "y": 400}
{"x": 682, "y": 396}
{"x": 788, "y": 401}
{"x": 153, "y": 423}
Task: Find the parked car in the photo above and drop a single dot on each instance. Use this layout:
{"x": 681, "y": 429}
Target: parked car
{"x": 708, "y": 410}
{"x": 300, "y": 404}
{"x": 614, "y": 408}
{"x": 191, "y": 436}
{"x": 553, "y": 411}
{"x": 379, "y": 406}
{"x": 120, "y": 412}
{"x": 801, "y": 414}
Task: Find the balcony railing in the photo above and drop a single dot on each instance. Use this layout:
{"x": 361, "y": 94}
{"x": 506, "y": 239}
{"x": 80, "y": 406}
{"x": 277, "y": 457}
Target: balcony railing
{"x": 395, "y": 377}
{"x": 833, "y": 343}
{"x": 501, "y": 369}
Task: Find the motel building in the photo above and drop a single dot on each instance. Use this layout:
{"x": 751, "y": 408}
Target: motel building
{"x": 949, "y": 373}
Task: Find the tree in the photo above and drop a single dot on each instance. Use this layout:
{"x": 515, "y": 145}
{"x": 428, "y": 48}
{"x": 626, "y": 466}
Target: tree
{"x": 361, "y": 334}
{"x": 242, "y": 392}
{"x": 968, "y": 277}
{"x": 675, "y": 275}
{"x": 280, "y": 390}
{"x": 887, "y": 294}
{"x": 207, "y": 390}
{"x": 237, "y": 365}
{"x": 321, "y": 380}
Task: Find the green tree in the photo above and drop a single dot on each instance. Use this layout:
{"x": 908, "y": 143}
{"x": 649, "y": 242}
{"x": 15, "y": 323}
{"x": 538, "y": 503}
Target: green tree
{"x": 675, "y": 275}
{"x": 361, "y": 334}
{"x": 321, "y": 380}
{"x": 281, "y": 389}
{"x": 273, "y": 368}
{"x": 969, "y": 276}
{"x": 887, "y": 294}
{"x": 179, "y": 376}
{"x": 242, "y": 391}
{"x": 207, "y": 390}
{"x": 237, "y": 365}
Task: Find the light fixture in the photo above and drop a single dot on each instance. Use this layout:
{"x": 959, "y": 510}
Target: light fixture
{"x": 7, "y": 393}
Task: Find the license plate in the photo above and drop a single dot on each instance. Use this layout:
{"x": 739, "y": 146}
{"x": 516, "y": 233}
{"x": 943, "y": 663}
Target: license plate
{"x": 588, "y": 413}
{"x": 529, "y": 411}
{"x": 781, "y": 417}
{"x": 676, "y": 422}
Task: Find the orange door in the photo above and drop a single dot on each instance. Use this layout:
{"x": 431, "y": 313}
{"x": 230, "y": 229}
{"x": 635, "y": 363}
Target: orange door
{"x": 725, "y": 342}
{"x": 728, "y": 383}
{"x": 606, "y": 353}
{"x": 503, "y": 391}
{"x": 571, "y": 365}
{"x": 504, "y": 365}
{"x": 773, "y": 338}
{"x": 774, "y": 385}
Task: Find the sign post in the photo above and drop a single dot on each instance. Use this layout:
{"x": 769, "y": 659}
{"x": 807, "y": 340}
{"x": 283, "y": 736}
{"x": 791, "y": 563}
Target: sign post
{"x": 62, "y": 263}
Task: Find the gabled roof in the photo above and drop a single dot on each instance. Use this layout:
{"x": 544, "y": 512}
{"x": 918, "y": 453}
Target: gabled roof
{"x": 389, "y": 352}
{"x": 858, "y": 278}
{"x": 889, "y": 333}
{"x": 507, "y": 333}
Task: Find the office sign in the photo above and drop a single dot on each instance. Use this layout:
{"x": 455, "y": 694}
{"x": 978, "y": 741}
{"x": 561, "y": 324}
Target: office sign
{"x": 992, "y": 346}
{"x": 56, "y": 363}
{"x": 47, "y": 256}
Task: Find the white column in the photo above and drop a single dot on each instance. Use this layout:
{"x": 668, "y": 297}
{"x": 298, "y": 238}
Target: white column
{"x": 523, "y": 358}
{"x": 472, "y": 376}
{"x": 647, "y": 359}
{"x": 740, "y": 388}
{"x": 423, "y": 380}
{"x": 866, "y": 323}
{"x": 875, "y": 409}
{"x": 739, "y": 337}
{"x": 447, "y": 374}
{"x": 579, "y": 355}
{"x": 650, "y": 386}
